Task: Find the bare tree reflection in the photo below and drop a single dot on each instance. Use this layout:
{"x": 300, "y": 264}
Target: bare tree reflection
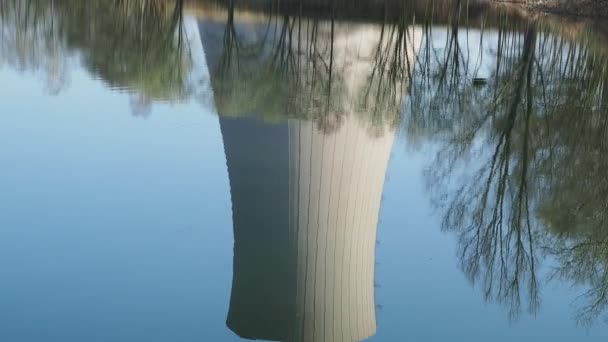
{"x": 514, "y": 161}
{"x": 315, "y": 68}
{"x": 491, "y": 212}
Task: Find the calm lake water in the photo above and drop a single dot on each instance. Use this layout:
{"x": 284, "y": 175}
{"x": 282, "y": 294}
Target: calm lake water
{"x": 287, "y": 171}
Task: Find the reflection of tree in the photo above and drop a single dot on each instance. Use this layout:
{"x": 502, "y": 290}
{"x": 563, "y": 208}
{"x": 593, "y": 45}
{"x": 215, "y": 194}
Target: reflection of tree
{"x": 293, "y": 66}
{"x": 575, "y": 210}
{"x": 281, "y": 68}
{"x": 393, "y": 63}
{"x": 579, "y": 242}
{"x": 31, "y": 39}
{"x": 514, "y": 160}
{"x": 133, "y": 44}
{"x": 492, "y": 217}
{"x": 438, "y": 87}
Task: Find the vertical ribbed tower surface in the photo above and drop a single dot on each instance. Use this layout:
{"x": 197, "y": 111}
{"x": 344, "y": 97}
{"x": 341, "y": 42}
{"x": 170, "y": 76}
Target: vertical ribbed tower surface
{"x": 336, "y": 184}
{"x": 305, "y": 211}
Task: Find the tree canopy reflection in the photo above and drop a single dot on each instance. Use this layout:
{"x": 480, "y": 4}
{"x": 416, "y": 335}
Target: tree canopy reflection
{"x": 130, "y": 44}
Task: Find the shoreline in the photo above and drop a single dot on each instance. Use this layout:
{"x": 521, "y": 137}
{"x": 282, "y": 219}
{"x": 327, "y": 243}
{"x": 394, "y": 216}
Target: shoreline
{"x": 595, "y": 9}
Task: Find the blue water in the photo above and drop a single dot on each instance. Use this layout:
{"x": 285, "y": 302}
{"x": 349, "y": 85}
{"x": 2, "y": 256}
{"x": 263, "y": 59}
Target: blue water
{"x": 119, "y": 227}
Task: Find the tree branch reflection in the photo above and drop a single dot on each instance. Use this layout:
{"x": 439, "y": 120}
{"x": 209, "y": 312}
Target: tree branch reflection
{"x": 509, "y": 177}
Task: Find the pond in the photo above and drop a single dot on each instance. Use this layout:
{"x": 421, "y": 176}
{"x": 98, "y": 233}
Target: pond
{"x": 301, "y": 171}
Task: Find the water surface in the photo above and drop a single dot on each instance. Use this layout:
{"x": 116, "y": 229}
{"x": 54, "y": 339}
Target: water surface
{"x": 191, "y": 171}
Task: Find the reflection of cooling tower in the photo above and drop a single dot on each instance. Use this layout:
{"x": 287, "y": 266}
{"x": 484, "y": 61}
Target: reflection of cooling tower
{"x": 305, "y": 202}
{"x": 305, "y": 210}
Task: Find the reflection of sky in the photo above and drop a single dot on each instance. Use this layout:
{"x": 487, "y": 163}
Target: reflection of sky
{"x": 478, "y": 50}
{"x": 117, "y": 228}
{"x": 113, "y": 228}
